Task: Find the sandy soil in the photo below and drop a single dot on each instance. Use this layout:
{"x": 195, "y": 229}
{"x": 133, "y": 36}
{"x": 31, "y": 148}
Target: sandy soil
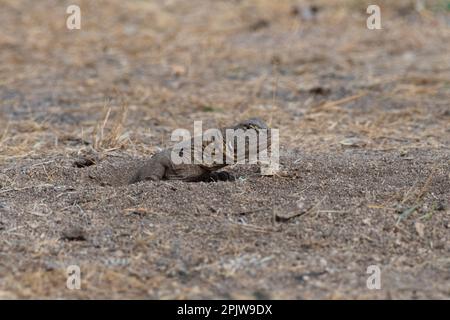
{"x": 365, "y": 149}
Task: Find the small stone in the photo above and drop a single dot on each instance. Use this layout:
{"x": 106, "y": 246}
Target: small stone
{"x": 259, "y": 24}
{"x": 178, "y": 70}
{"x": 353, "y": 142}
{"x": 420, "y": 228}
{"x": 83, "y": 162}
{"x": 300, "y": 205}
{"x": 440, "y": 206}
{"x": 73, "y": 234}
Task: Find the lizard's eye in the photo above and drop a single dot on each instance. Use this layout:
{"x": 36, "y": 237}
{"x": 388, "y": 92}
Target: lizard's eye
{"x": 180, "y": 154}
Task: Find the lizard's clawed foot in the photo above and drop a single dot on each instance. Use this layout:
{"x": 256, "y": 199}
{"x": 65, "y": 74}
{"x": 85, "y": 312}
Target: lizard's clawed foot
{"x": 219, "y": 176}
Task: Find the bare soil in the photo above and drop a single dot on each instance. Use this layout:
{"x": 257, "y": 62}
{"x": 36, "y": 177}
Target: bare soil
{"x": 365, "y": 149}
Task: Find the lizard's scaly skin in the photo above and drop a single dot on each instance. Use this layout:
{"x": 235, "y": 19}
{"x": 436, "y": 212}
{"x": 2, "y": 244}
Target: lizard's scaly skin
{"x": 161, "y": 167}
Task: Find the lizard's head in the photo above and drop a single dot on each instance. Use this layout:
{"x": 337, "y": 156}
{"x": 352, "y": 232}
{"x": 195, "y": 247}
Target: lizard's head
{"x": 253, "y": 123}
{"x": 260, "y": 130}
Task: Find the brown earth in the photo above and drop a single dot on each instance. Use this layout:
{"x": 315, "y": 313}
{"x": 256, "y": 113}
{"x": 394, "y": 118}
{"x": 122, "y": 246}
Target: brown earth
{"x": 365, "y": 149}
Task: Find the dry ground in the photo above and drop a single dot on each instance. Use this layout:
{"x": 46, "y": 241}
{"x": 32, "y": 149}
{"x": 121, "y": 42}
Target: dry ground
{"x": 365, "y": 149}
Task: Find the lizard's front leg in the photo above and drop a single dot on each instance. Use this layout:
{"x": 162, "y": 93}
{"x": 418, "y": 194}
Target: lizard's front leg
{"x": 218, "y": 176}
{"x": 153, "y": 170}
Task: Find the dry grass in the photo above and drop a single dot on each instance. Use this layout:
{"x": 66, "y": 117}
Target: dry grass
{"x": 115, "y": 138}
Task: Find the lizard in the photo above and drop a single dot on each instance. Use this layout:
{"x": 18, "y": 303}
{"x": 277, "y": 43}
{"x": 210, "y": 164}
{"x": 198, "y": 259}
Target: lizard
{"x": 161, "y": 166}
